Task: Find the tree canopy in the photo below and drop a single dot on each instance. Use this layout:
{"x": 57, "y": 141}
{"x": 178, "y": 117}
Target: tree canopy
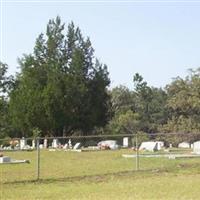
{"x": 62, "y": 88}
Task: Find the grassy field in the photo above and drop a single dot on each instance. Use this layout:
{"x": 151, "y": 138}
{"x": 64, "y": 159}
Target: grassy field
{"x": 99, "y": 175}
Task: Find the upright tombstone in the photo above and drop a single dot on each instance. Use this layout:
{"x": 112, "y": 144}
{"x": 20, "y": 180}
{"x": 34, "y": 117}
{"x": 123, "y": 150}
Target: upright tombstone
{"x": 160, "y": 145}
{"x": 77, "y": 146}
{"x": 33, "y": 144}
{"x": 108, "y": 144}
{"x": 184, "y": 145}
{"x": 65, "y": 146}
{"x": 70, "y": 144}
{"x": 149, "y": 146}
{"x": 23, "y": 143}
{"x": 55, "y": 143}
{"x": 45, "y": 144}
{"x": 196, "y": 147}
{"x": 125, "y": 142}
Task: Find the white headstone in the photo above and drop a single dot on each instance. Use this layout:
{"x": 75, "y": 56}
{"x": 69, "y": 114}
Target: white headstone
{"x": 125, "y": 142}
{"x": 22, "y": 143}
{"x": 33, "y": 144}
{"x": 160, "y": 145}
{"x": 70, "y": 143}
{"x": 196, "y": 147}
{"x": 170, "y": 145}
{"x": 41, "y": 146}
{"x": 110, "y": 144}
{"x": 27, "y": 147}
{"x": 184, "y": 145}
{"x": 77, "y": 146}
{"x": 65, "y": 146}
{"x": 149, "y": 146}
{"x": 55, "y": 143}
{"x": 45, "y": 143}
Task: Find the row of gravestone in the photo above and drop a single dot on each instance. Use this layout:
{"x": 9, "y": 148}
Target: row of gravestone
{"x": 158, "y": 145}
{"x": 195, "y": 146}
{"x": 56, "y": 144}
{"x": 22, "y": 144}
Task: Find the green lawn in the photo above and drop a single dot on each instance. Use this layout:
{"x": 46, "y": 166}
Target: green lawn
{"x": 99, "y": 175}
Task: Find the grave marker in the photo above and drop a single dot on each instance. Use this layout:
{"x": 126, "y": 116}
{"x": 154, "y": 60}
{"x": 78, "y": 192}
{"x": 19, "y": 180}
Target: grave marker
{"x": 23, "y": 143}
{"x": 125, "y": 142}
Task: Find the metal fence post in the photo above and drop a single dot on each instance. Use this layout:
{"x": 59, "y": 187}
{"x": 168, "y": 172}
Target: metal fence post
{"x": 137, "y": 152}
{"x": 38, "y": 158}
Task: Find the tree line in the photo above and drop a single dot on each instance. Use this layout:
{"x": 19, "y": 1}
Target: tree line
{"x": 63, "y": 89}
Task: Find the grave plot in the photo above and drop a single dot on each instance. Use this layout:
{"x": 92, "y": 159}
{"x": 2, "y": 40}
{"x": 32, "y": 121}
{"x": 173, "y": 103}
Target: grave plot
{"x": 18, "y": 166}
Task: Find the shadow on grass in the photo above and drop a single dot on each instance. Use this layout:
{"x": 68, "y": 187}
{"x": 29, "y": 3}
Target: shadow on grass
{"x": 95, "y": 178}
{"x": 103, "y": 177}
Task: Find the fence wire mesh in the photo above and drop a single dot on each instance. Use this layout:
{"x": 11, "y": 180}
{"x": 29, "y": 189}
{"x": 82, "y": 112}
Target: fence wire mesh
{"x": 49, "y": 158}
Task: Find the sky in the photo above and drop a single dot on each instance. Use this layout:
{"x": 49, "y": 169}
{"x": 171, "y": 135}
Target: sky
{"x": 159, "y": 40}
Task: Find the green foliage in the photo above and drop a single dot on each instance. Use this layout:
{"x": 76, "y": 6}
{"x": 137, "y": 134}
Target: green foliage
{"x": 61, "y": 88}
{"x": 6, "y": 141}
{"x": 124, "y": 123}
{"x": 141, "y": 137}
{"x": 142, "y": 109}
{"x": 36, "y": 132}
{"x": 122, "y": 99}
{"x": 150, "y": 104}
{"x": 6, "y": 84}
{"x": 183, "y": 104}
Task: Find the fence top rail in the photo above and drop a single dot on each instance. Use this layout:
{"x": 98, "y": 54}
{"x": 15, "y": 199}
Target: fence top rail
{"x": 71, "y": 137}
{"x": 103, "y": 136}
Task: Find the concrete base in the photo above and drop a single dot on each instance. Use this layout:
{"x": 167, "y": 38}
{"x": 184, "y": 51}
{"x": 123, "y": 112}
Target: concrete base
{"x": 170, "y": 156}
{"x": 5, "y": 159}
{"x": 8, "y": 160}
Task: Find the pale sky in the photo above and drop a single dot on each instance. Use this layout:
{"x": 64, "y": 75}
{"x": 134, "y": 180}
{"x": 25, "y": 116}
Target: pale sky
{"x": 158, "y": 40}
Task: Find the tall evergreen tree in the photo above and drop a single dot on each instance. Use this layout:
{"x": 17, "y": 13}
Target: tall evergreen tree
{"x": 62, "y": 88}
{"x": 6, "y": 84}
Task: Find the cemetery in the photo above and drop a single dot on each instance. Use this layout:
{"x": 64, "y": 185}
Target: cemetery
{"x": 151, "y": 147}
{"x": 60, "y": 161}
{"x": 69, "y": 164}
{"x": 99, "y": 99}
{"x": 147, "y": 149}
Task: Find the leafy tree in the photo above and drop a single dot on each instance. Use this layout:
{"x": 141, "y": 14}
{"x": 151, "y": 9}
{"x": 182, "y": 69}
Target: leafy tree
{"x": 62, "y": 88}
{"x": 144, "y": 97}
{"x": 6, "y": 83}
{"x": 157, "y": 109}
{"x": 143, "y": 109}
{"x": 124, "y": 123}
{"x": 150, "y": 104}
{"x": 122, "y": 99}
{"x": 183, "y": 104}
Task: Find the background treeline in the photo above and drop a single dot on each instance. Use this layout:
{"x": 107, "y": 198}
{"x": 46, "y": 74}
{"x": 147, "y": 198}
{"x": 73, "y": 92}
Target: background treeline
{"x": 62, "y": 89}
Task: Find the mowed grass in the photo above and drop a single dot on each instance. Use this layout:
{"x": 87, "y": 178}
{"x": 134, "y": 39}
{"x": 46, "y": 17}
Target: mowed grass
{"x": 99, "y": 175}
{"x": 61, "y": 164}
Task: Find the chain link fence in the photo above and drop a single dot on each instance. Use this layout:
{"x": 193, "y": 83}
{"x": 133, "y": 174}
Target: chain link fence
{"x": 49, "y": 158}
